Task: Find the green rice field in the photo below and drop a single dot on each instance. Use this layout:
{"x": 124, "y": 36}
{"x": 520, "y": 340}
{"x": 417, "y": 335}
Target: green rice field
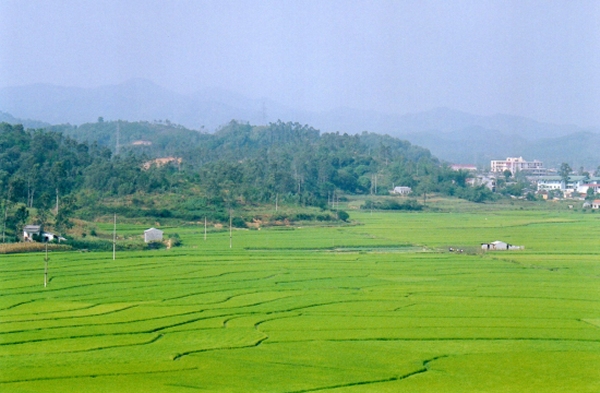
{"x": 377, "y": 306}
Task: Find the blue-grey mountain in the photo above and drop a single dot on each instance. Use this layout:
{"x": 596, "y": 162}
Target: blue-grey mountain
{"x": 452, "y": 135}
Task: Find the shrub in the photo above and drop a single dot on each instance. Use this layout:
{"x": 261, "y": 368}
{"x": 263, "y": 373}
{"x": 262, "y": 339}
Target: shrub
{"x": 174, "y": 240}
{"x": 342, "y": 215}
{"x": 303, "y": 217}
{"x": 409, "y": 204}
{"x": 238, "y": 222}
{"x": 155, "y": 245}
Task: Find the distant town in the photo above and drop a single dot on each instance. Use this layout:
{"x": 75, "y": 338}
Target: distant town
{"x": 536, "y": 180}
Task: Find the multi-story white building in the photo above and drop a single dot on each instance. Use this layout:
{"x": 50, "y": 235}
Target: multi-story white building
{"x": 578, "y": 184}
{"x": 518, "y": 164}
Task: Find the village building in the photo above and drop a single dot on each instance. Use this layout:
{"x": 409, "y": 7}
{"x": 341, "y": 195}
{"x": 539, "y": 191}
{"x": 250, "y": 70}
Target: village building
{"x": 544, "y": 194}
{"x": 583, "y": 189}
{"x": 500, "y": 246}
{"x": 596, "y": 204}
{"x": 141, "y": 143}
{"x": 401, "y": 190}
{"x": 464, "y": 167}
{"x": 153, "y": 235}
{"x": 36, "y": 233}
{"x": 575, "y": 184}
{"x": 518, "y": 164}
{"x": 31, "y": 231}
{"x": 488, "y": 181}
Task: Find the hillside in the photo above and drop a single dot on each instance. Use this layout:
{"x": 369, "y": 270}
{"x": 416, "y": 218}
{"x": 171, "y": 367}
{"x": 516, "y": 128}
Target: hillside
{"x": 56, "y": 177}
{"x": 453, "y": 136}
{"x": 27, "y": 123}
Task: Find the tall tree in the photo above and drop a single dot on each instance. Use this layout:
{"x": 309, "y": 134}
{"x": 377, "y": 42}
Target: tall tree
{"x": 20, "y": 218}
{"x": 564, "y": 172}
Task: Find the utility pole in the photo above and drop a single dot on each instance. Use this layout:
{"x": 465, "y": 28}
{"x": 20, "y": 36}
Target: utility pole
{"x": 230, "y": 228}
{"x": 4, "y": 223}
{"x": 46, "y": 267}
{"x": 118, "y": 147}
{"x": 204, "y": 228}
{"x": 334, "y": 195}
{"x": 115, "y": 237}
{"x": 337, "y": 206}
{"x": 276, "y": 197}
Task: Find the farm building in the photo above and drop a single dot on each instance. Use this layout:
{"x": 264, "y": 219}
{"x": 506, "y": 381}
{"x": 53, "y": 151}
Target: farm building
{"x": 499, "y": 246}
{"x": 401, "y": 190}
{"x": 29, "y": 231}
{"x": 36, "y": 233}
{"x": 596, "y": 204}
{"x": 153, "y": 235}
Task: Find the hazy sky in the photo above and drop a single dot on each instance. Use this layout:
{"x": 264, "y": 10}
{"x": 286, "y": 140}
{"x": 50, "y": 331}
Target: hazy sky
{"x": 539, "y": 59}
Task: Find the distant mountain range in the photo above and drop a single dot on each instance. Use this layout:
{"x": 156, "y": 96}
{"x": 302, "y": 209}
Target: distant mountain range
{"x": 27, "y": 123}
{"x": 454, "y": 136}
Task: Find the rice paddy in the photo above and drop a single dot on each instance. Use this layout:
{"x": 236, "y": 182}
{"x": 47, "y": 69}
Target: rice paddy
{"x": 376, "y": 307}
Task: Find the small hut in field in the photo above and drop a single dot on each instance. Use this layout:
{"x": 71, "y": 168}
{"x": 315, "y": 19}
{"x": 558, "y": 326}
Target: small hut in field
{"x": 499, "y": 246}
{"x": 153, "y": 235}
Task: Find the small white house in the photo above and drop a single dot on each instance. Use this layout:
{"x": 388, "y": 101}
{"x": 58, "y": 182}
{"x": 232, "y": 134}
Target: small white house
{"x": 153, "y": 235}
{"x": 596, "y": 204}
{"x": 499, "y": 246}
{"x": 401, "y": 190}
{"x": 29, "y": 231}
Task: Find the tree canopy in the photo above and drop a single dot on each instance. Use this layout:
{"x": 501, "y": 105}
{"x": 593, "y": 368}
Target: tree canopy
{"x": 74, "y": 167}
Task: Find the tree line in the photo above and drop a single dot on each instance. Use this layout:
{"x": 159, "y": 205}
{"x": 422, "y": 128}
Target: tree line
{"x": 56, "y": 172}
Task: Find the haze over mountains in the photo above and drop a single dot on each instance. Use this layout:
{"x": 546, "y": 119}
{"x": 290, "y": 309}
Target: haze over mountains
{"x": 451, "y": 135}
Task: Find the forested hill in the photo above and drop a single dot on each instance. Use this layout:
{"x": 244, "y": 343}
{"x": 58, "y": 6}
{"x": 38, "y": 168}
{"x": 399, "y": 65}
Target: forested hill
{"x": 235, "y": 140}
{"x": 239, "y": 164}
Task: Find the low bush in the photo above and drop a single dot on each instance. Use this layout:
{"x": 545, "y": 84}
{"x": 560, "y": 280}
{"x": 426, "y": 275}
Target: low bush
{"x": 342, "y": 215}
{"x": 238, "y": 222}
{"x": 409, "y": 205}
{"x": 173, "y": 240}
{"x": 303, "y": 217}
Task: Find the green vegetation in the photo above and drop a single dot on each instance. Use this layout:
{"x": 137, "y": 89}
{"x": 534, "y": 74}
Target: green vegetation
{"x": 376, "y": 306}
{"x": 327, "y": 284}
{"x": 47, "y": 177}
